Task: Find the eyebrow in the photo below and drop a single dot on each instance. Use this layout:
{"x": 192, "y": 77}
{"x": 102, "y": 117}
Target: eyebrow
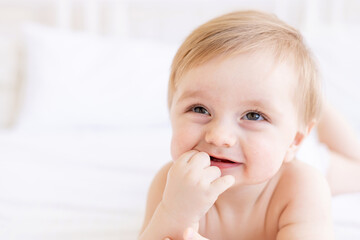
{"x": 257, "y": 103}
{"x": 193, "y": 94}
{"x": 263, "y": 104}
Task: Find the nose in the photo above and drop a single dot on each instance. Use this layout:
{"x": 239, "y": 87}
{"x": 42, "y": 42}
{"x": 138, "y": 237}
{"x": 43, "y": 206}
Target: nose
{"x": 221, "y": 134}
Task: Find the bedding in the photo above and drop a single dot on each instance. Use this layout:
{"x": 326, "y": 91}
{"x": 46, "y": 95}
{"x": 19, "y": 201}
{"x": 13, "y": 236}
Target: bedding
{"x": 346, "y": 213}
{"x": 92, "y": 132}
{"x": 66, "y": 185}
{"x": 82, "y": 155}
{"x": 76, "y": 79}
{"x": 93, "y": 185}
{"x": 336, "y": 51}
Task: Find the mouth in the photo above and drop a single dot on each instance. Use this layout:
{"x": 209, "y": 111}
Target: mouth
{"x": 223, "y": 163}
{"x": 220, "y": 160}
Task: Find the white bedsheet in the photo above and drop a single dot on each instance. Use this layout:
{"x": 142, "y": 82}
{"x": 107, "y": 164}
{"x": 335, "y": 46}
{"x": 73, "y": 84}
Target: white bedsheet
{"x": 77, "y": 185}
{"x": 92, "y": 185}
{"x": 346, "y": 213}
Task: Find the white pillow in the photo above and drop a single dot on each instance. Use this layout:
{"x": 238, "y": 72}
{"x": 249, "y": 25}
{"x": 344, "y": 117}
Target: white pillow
{"x": 338, "y": 54}
{"x": 82, "y": 80}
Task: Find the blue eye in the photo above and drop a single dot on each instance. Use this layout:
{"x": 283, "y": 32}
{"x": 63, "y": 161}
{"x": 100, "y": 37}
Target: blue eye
{"x": 253, "y": 116}
{"x": 199, "y": 109}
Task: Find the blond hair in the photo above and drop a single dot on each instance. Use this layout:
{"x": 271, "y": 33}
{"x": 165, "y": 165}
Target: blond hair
{"x": 247, "y": 31}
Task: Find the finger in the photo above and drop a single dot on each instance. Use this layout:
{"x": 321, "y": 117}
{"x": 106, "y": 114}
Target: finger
{"x": 190, "y": 234}
{"x": 221, "y": 184}
{"x": 185, "y": 157}
{"x": 200, "y": 160}
{"x": 212, "y": 173}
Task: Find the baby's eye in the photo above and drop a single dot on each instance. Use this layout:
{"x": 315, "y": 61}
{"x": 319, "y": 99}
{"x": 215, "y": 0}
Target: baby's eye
{"x": 199, "y": 109}
{"x": 253, "y": 116}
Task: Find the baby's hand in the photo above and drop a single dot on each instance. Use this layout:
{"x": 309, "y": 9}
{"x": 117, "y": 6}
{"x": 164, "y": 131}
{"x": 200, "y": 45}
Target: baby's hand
{"x": 190, "y": 234}
{"x": 192, "y": 187}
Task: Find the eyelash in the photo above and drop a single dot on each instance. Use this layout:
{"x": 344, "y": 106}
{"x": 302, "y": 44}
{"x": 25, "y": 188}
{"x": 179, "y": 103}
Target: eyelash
{"x": 265, "y": 118}
{"x": 191, "y": 108}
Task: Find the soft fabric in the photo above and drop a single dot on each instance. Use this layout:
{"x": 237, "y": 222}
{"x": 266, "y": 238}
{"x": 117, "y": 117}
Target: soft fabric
{"x": 78, "y": 185}
{"x": 337, "y": 52}
{"x": 93, "y": 185}
{"x": 94, "y": 131}
{"x": 77, "y": 80}
{"x": 314, "y": 153}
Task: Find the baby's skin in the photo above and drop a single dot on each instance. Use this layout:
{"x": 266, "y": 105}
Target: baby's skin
{"x": 193, "y": 187}
{"x": 234, "y": 174}
{"x": 259, "y": 220}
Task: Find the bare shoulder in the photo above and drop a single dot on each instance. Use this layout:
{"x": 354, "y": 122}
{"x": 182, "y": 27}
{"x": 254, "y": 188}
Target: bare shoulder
{"x": 302, "y": 180}
{"x": 155, "y": 193}
{"x": 307, "y": 198}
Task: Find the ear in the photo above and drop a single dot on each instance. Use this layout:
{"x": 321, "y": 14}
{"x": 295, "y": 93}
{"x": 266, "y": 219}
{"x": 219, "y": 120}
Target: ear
{"x": 298, "y": 139}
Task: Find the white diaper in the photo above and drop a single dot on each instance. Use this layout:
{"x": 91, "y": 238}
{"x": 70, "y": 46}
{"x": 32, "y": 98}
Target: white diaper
{"x": 314, "y": 153}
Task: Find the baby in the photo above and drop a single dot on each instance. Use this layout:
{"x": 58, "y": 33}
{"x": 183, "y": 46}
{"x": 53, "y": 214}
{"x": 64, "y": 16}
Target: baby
{"x": 243, "y": 95}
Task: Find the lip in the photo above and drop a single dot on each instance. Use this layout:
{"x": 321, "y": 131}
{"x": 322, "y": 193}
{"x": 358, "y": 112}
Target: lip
{"x": 223, "y": 163}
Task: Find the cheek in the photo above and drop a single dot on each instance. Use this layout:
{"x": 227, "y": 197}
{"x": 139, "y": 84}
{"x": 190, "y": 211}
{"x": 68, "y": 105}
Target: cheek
{"x": 183, "y": 139}
{"x": 265, "y": 158}
{"x": 176, "y": 147}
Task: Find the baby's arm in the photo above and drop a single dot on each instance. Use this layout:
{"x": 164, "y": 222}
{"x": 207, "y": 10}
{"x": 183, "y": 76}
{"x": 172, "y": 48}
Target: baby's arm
{"x": 192, "y": 186}
{"x": 337, "y": 133}
{"x": 344, "y": 151}
{"x": 307, "y": 212}
{"x": 155, "y": 195}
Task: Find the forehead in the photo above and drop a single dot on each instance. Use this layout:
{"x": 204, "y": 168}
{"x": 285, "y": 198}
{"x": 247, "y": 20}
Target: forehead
{"x": 242, "y": 75}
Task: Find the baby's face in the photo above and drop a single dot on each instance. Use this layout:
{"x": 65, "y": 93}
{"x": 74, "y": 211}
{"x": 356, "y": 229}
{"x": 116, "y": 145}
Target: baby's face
{"x": 240, "y": 110}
